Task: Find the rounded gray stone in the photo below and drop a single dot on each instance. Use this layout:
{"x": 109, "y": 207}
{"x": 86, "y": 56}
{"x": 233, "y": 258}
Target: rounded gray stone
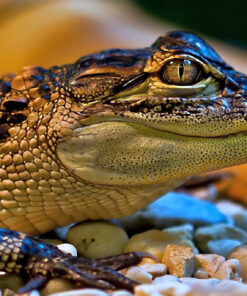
{"x": 222, "y": 247}
{"x": 219, "y": 238}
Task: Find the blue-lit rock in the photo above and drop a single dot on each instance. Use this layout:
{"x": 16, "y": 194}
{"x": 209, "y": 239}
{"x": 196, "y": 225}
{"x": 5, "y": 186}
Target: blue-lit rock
{"x": 174, "y": 209}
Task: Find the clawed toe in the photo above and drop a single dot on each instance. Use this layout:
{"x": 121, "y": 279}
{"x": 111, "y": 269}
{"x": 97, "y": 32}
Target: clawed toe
{"x": 35, "y": 283}
{"x": 125, "y": 260}
{"x": 38, "y": 262}
{"x": 83, "y": 272}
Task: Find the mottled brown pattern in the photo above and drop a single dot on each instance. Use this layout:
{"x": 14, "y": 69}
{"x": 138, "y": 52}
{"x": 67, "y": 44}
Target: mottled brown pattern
{"x": 37, "y": 192}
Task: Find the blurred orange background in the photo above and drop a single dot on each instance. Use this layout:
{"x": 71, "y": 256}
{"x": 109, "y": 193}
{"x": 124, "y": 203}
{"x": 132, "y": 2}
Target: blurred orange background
{"x": 48, "y": 32}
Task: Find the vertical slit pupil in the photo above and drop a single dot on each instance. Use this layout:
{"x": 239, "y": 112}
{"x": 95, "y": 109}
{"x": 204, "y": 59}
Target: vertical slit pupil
{"x": 181, "y": 70}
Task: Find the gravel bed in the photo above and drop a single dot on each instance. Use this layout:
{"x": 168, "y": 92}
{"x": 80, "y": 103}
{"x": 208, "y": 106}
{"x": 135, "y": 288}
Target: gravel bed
{"x": 200, "y": 251}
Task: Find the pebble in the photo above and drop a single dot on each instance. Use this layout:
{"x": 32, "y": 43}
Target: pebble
{"x": 211, "y": 286}
{"x": 166, "y": 278}
{"x": 97, "y": 239}
{"x": 200, "y": 284}
{"x": 68, "y": 249}
{"x": 161, "y": 289}
{"x": 240, "y": 220}
{"x": 82, "y": 292}
{"x": 219, "y": 239}
{"x": 214, "y": 287}
{"x": 229, "y": 270}
{"x": 240, "y": 253}
{"x": 182, "y": 235}
{"x": 232, "y": 286}
{"x": 173, "y": 245}
{"x": 10, "y": 281}
{"x": 169, "y": 210}
{"x": 154, "y": 241}
{"x": 229, "y": 208}
{"x": 222, "y": 246}
{"x": 61, "y": 232}
{"x": 184, "y": 231}
{"x": 155, "y": 269}
{"x": 139, "y": 274}
{"x": 34, "y": 293}
{"x": 7, "y": 292}
{"x": 207, "y": 264}
{"x": 121, "y": 293}
{"x": 56, "y": 285}
{"x": 216, "y": 293}
{"x": 179, "y": 260}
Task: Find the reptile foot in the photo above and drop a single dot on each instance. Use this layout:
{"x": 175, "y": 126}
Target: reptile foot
{"x": 38, "y": 262}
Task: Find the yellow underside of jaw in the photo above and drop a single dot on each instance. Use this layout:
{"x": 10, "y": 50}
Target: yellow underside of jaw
{"x": 129, "y": 154}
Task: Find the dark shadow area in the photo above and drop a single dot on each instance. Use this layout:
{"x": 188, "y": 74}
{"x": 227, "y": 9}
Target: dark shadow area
{"x": 223, "y": 19}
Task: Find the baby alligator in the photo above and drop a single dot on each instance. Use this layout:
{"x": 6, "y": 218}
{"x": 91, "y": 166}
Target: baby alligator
{"x": 103, "y": 138}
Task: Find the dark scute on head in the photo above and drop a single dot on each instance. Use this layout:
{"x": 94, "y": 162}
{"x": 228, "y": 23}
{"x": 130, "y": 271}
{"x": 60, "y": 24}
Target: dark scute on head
{"x": 16, "y": 103}
{"x": 190, "y": 43}
{"x": 114, "y": 57}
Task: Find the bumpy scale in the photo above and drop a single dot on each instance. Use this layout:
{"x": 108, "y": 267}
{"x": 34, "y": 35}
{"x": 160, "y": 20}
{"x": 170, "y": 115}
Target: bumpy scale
{"x": 104, "y": 137}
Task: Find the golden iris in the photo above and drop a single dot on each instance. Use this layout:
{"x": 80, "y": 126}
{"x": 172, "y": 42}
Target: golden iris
{"x": 181, "y": 72}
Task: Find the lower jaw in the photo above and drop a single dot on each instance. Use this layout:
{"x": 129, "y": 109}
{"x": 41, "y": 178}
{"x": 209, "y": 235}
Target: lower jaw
{"x": 129, "y": 154}
{"x": 187, "y": 126}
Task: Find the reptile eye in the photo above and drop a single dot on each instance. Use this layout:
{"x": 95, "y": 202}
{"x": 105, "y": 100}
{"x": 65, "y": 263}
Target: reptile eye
{"x": 181, "y": 72}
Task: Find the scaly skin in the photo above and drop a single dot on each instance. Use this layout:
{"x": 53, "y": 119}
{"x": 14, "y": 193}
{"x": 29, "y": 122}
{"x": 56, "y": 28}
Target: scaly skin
{"x": 105, "y": 136}
{"x": 37, "y": 262}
